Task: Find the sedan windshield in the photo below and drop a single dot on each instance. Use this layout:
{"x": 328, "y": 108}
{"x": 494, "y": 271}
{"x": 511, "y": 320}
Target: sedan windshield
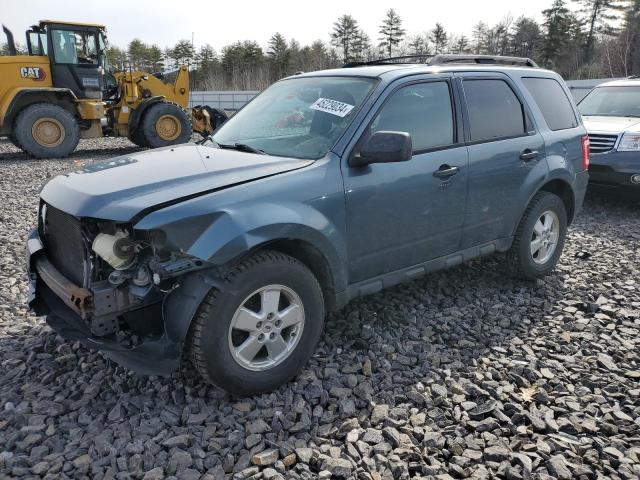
{"x": 612, "y": 102}
{"x": 299, "y": 117}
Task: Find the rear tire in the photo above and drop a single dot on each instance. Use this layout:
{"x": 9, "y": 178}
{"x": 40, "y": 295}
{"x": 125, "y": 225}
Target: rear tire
{"x": 540, "y": 237}
{"x": 258, "y": 330}
{"x": 44, "y": 130}
{"x": 165, "y": 124}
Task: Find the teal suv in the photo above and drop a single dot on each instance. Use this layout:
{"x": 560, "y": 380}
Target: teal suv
{"x": 327, "y": 186}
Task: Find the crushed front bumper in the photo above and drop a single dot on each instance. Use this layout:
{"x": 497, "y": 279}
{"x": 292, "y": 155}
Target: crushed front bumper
{"x": 67, "y": 306}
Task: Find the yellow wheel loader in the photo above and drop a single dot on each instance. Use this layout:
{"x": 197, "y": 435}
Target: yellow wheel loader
{"x": 63, "y": 91}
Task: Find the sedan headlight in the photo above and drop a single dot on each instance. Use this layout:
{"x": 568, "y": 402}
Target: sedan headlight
{"x": 630, "y": 142}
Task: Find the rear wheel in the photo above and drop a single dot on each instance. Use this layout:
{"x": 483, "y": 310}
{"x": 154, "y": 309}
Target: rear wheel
{"x": 45, "y": 130}
{"x": 261, "y": 327}
{"x": 540, "y": 237}
{"x": 165, "y": 124}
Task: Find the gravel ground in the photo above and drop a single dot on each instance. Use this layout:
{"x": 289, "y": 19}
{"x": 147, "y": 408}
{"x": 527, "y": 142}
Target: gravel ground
{"x": 465, "y": 373}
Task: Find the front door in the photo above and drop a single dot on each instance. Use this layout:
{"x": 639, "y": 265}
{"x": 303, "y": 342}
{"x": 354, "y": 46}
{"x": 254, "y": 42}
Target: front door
{"x": 402, "y": 214}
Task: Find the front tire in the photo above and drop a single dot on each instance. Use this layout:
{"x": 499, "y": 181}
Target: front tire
{"x": 165, "y": 124}
{"x": 45, "y": 130}
{"x": 258, "y": 330}
{"x": 540, "y": 237}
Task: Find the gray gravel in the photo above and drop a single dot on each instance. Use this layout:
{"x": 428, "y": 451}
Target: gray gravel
{"x": 466, "y": 373}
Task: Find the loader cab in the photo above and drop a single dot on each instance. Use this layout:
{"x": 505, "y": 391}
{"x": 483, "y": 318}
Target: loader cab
{"x": 76, "y": 53}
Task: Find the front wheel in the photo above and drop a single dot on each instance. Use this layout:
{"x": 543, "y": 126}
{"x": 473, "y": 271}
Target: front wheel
{"x": 540, "y": 237}
{"x": 164, "y": 124}
{"x": 258, "y": 330}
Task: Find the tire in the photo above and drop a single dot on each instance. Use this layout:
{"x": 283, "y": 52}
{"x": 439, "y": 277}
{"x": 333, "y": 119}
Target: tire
{"x": 138, "y": 138}
{"x": 523, "y": 258}
{"x": 177, "y": 125}
{"x": 14, "y": 141}
{"x": 213, "y": 341}
{"x": 44, "y": 130}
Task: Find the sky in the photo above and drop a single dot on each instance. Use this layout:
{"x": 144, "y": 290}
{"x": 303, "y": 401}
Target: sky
{"x": 220, "y": 23}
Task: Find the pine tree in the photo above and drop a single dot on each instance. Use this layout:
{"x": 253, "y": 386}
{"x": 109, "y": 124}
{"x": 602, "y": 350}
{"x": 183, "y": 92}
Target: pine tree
{"x": 279, "y": 55}
{"x": 345, "y": 31}
{"x": 480, "y": 38}
{"x": 439, "y": 38}
{"x": 155, "y": 58}
{"x": 598, "y": 17}
{"x": 137, "y": 52}
{"x": 525, "y": 38}
{"x": 391, "y": 32}
{"x": 557, "y": 26}
{"x": 419, "y": 45}
{"x": 459, "y": 44}
{"x": 361, "y": 48}
{"x": 631, "y": 38}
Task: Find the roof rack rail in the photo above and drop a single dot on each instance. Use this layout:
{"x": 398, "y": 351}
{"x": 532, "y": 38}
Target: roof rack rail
{"x": 446, "y": 59}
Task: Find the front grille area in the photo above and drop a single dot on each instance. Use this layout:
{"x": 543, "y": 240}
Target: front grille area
{"x": 601, "y": 143}
{"x": 61, "y": 236}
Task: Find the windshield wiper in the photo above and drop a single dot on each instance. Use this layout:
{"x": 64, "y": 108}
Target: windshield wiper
{"x": 242, "y": 147}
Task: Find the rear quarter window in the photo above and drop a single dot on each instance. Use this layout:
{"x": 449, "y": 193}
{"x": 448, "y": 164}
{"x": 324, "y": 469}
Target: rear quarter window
{"x": 553, "y": 102}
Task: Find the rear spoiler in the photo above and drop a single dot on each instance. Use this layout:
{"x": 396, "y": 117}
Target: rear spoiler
{"x": 11, "y": 44}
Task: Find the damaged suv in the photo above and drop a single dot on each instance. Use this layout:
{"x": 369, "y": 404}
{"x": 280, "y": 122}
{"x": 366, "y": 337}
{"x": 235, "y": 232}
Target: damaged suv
{"x": 328, "y": 186}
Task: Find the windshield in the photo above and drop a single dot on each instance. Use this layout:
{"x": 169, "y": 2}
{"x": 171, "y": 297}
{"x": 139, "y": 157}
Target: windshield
{"x": 298, "y": 117}
{"x": 612, "y": 102}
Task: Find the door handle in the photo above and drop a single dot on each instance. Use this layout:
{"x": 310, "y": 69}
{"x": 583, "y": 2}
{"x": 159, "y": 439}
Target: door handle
{"x": 528, "y": 154}
{"x": 445, "y": 171}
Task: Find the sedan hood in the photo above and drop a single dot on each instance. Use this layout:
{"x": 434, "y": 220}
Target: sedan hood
{"x": 122, "y": 187}
{"x": 601, "y": 124}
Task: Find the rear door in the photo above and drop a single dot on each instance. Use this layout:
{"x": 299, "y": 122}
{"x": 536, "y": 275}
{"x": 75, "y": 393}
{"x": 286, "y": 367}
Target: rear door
{"x": 506, "y": 154}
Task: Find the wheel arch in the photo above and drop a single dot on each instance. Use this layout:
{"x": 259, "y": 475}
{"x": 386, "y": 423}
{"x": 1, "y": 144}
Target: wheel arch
{"x": 562, "y": 189}
{"x": 23, "y": 98}
{"x": 309, "y": 255}
{"x": 558, "y": 186}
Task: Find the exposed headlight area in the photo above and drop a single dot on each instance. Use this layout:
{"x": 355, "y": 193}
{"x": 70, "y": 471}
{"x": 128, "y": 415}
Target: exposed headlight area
{"x": 630, "y": 142}
{"x": 118, "y": 250}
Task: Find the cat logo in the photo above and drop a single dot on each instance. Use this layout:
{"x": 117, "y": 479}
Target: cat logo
{"x": 36, "y": 73}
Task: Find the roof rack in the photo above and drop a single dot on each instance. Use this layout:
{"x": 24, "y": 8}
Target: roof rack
{"x": 446, "y": 59}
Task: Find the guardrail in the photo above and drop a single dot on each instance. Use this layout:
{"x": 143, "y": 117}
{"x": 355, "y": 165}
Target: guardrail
{"x": 226, "y": 100}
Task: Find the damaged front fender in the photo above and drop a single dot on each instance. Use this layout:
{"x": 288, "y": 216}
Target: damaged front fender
{"x": 220, "y": 237}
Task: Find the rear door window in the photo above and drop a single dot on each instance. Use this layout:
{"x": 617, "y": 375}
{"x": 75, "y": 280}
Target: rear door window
{"x": 494, "y": 110}
{"x": 553, "y": 102}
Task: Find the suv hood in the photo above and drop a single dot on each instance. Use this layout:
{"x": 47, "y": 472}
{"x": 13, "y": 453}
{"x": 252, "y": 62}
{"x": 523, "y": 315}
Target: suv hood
{"x": 122, "y": 187}
{"x": 594, "y": 123}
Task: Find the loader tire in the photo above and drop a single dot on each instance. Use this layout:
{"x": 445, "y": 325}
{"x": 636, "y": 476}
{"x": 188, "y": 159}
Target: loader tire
{"x": 165, "y": 124}
{"x": 14, "y": 140}
{"x": 137, "y": 137}
{"x": 44, "y": 130}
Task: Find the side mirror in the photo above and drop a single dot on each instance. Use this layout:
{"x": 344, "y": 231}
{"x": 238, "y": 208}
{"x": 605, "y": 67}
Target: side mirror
{"x": 384, "y": 147}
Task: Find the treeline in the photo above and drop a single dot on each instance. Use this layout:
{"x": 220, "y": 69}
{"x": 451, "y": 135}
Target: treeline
{"x": 599, "y": 38}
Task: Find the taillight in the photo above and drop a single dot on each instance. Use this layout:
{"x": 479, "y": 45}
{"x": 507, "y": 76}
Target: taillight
{"x": 585, "y": 152}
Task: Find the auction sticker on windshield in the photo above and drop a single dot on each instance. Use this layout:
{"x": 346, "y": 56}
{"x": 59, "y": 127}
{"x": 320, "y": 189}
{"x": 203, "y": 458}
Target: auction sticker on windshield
{"x": 333, "y": 107}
